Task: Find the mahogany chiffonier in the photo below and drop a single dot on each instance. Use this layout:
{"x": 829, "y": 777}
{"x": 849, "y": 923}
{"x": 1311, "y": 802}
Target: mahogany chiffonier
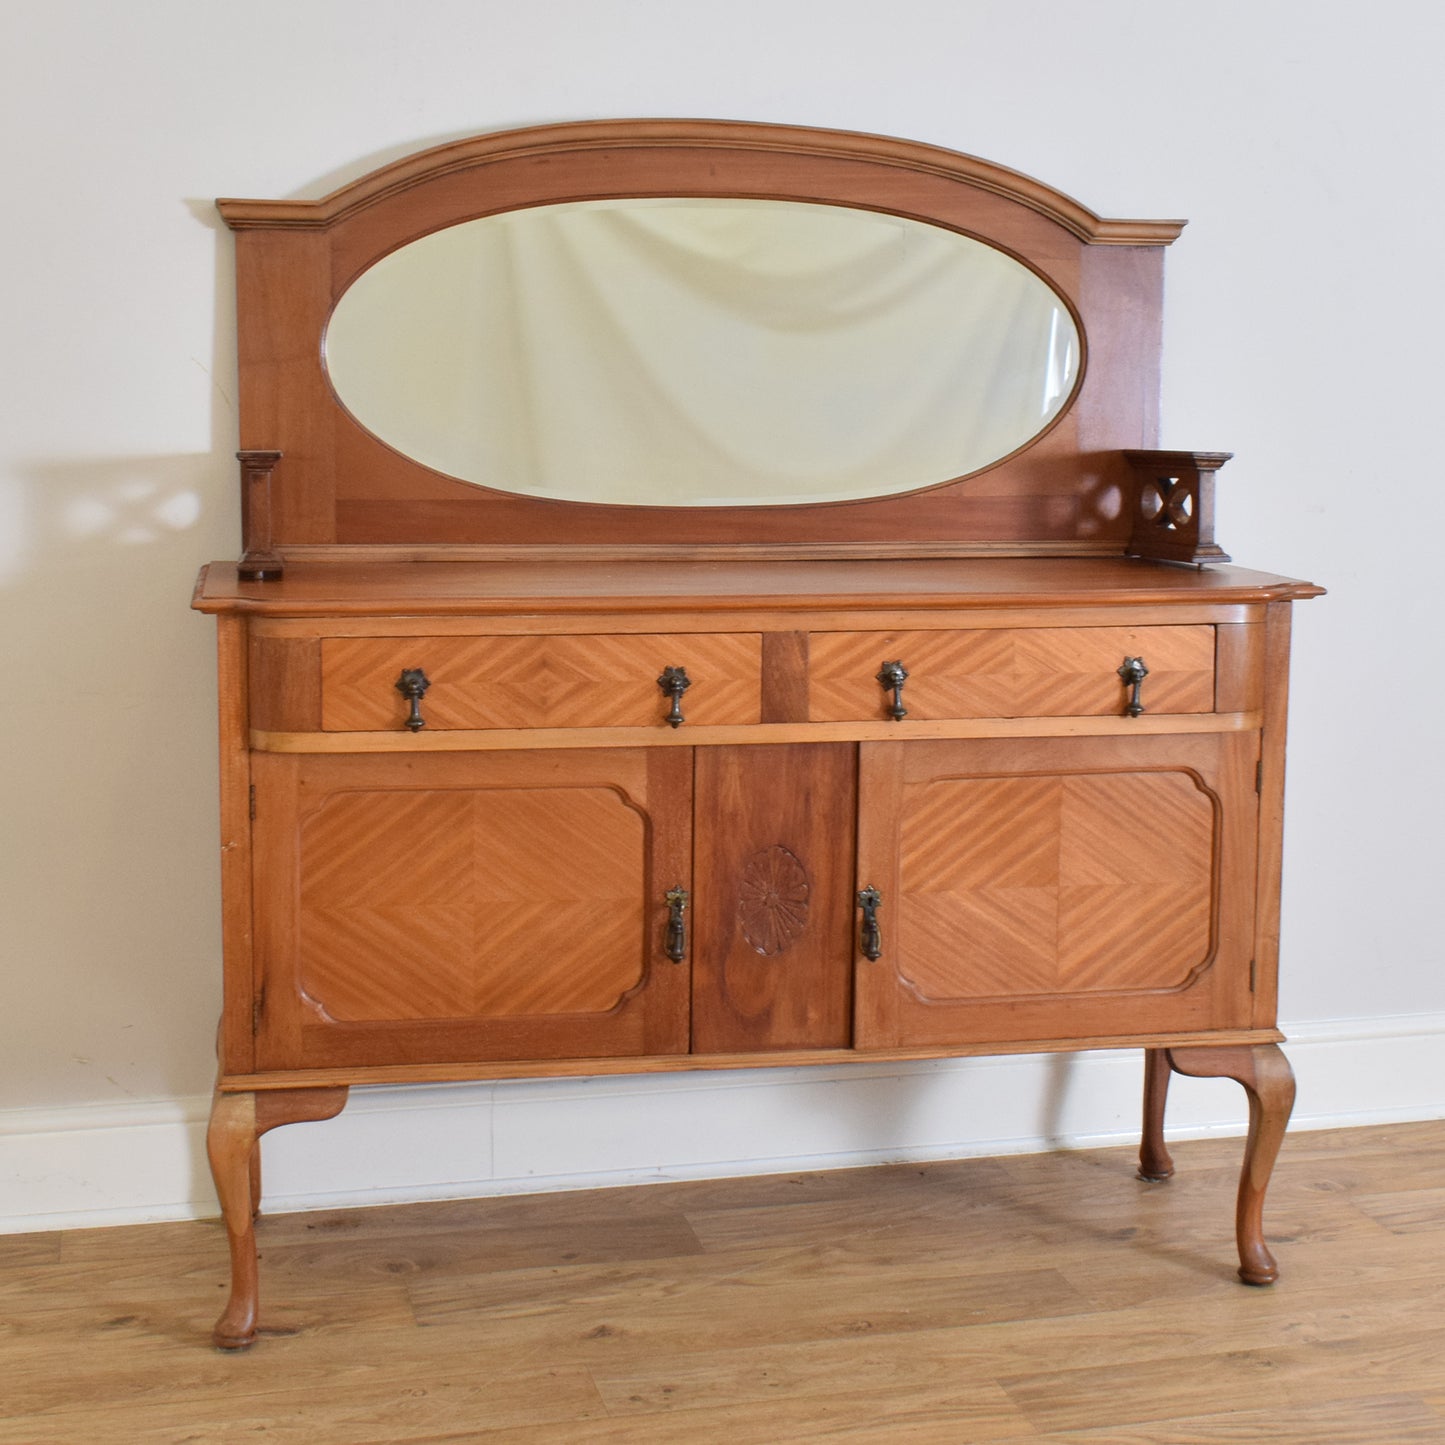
{"x": 711, "y": 597}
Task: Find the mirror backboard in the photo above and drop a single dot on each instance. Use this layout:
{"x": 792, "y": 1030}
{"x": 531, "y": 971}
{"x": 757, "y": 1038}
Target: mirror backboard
{"x": 861, "y": 345}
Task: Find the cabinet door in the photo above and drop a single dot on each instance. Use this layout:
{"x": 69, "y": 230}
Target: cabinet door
{"x": 1057, "y": 888}
{"x": 772, "y": 965}
{"x": 463, "y": 907}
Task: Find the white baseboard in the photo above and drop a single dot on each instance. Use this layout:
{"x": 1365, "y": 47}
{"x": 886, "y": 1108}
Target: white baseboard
{"x": 101, "y": 1164}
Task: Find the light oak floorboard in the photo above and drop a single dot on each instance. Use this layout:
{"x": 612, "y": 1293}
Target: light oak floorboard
{"x": 1040, "y": 1298}
{"x": 1382, "y": 1420}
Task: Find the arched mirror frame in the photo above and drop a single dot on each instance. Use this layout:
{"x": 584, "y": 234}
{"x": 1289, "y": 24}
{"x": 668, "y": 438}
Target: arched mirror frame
{"x": 315, "y": 482}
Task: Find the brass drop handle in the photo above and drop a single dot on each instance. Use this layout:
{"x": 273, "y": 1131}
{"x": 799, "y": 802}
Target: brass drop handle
{"x": 412, "y": 685}
{"x": 675, "y": 944}
{"x": 872, "y": 941}
{"x": 893, "y": 675}
{"x": 1134, "y": 672}
{"x": 674, "y": 682}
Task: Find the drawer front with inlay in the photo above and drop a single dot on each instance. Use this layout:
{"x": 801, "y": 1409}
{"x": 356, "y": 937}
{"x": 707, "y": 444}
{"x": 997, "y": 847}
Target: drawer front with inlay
{"x": 576, "y": 681}
{"x": 1011, "y": 672}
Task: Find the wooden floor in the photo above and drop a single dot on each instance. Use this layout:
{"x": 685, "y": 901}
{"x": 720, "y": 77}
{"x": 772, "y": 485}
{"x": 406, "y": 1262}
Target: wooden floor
{"x": 1043, "y": 1298}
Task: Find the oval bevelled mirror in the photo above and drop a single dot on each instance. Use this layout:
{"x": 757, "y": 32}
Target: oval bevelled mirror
{"x": 702, "y": 352}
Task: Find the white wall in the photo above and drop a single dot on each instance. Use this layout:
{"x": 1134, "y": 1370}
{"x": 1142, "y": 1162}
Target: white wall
{"x": 1303, "y": 317}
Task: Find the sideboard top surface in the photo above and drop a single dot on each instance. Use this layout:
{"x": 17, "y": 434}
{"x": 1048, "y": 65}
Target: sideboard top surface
{"x": 558, "y": 585}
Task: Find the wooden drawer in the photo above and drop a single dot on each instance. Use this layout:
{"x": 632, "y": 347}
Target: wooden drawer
{"x": 1010, "y": 672}
{"x": 585, "y": 680}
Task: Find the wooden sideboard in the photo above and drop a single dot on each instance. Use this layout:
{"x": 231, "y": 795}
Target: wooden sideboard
{"x": 538, "y": 801}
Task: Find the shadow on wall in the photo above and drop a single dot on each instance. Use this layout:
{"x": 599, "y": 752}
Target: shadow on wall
{"x": 115, "y": 893}
{"x": 140, "y": 525}
{"x": 1059, "y": 1071}
{"x": 1003, "y": 1100}
{"x": 141, "y": 518}
{"x": 108, "y": 510}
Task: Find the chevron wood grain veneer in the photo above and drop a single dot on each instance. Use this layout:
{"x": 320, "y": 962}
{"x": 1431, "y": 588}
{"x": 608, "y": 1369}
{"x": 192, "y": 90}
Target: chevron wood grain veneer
{"x": 1049, "y": 885}
{"x": 1006, "y": 672}
{"x": 594, "y": 680}
{"x": 457, "y": 923}
{"x": 1089, "y": 884}
{"x": 444, "y": 903}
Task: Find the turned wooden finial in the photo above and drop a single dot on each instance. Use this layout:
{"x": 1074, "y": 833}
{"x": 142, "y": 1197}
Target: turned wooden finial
{"x": 260, "y": 562}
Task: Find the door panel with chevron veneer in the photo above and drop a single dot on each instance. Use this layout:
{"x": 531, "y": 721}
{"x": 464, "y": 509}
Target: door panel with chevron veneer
{"x": 1086, "y": 887}
{"x": 460, "y": 907}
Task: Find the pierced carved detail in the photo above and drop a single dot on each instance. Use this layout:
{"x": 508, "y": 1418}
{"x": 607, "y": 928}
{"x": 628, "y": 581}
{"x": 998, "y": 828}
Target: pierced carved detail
{"x": 1174, "y": 506}
{"x": 773, "y": 900}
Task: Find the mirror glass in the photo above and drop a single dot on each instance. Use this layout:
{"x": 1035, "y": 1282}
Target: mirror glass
{"x": 702, "y": 352}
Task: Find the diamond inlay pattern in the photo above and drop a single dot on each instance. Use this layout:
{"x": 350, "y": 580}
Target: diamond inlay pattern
{"x": 596, "y": 680}
{"x": 1004, "y": 672}
{"x": 1055, "y": 884}
{"x": 455, "y": 904}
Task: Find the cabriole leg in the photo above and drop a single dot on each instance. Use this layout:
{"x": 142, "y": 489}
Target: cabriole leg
{"x": 232, "y": 1144}
{"x": 1268, "y": 1080}
{"x": 1154, "y": 1161}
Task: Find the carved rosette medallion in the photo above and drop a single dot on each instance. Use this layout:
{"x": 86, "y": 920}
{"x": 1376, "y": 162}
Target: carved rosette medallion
{"x": 773, "y": 900}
